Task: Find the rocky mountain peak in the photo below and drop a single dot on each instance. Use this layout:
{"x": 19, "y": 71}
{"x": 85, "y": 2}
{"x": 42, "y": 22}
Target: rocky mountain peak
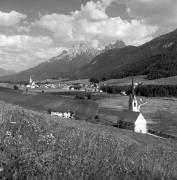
{"x": 75, "y": 51}
{"x": 117, "y": 44}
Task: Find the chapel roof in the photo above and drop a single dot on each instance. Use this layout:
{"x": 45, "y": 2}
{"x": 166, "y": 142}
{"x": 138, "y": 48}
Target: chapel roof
{"x": 130, "y": 116}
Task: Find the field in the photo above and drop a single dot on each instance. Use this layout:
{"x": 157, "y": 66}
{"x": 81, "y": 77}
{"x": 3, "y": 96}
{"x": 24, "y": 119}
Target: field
{"x": 36, "y": 146}
{"x": 160, "y": 113}
{"x": 142, "y": 79}
{"x": 84, "y": 109}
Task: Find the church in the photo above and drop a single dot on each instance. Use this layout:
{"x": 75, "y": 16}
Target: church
{"x": 132, "y": 118}
{"x": 31, "y": 83}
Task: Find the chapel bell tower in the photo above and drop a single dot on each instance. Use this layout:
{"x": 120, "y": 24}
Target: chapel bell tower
{"x": 133, "y": 104}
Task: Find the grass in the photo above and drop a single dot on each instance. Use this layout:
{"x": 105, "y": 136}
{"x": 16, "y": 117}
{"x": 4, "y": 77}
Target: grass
{"x": 37, "y": 146}
{"x": 142, "y": 79}
{"x": 160, "y": 113}
{"x": 84, "y": 109}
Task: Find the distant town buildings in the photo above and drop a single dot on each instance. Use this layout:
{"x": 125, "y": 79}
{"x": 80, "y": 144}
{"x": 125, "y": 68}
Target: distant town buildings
{"x": 63, "y": 85}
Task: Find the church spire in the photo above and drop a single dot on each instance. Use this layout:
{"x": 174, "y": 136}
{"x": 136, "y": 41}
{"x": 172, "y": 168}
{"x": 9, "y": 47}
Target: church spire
{"x": 133, "y": 104}
{"x": 30, "y": 80}
{"x": 133, "y": 87}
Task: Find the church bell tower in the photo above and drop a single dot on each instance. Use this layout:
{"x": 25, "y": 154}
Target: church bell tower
{"x": 133, "y": 104}
{"x": 30, "y": 80}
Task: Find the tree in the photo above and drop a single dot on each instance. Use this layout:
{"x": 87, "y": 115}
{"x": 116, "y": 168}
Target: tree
{"x": 94, "y": 80}
{"x": 16, "y": 87}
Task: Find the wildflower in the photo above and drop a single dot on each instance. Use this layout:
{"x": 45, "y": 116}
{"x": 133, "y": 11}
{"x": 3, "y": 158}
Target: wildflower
{"x": 1, "y": 169}
{"x": 8, "y": 133}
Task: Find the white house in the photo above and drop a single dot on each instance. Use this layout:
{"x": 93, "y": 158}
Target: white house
{"x": 133, "y": 119}
{"x": 62, "y": 114}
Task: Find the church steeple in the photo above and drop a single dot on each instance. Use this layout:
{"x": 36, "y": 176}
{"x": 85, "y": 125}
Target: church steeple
{"x": 133, "y": 88}
{"x": 30, "y": 80}
{"x": 133, "y": 104}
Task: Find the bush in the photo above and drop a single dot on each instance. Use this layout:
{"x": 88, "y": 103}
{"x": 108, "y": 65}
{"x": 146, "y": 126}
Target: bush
{"x": 94, "y": 80}
{"x": 49, "y": 111}
{"x": 89, "y": 96}
{"x": 16, "y": 87}
{"x": 80, "y": 96}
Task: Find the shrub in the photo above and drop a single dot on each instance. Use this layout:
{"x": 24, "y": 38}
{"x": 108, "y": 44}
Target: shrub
{"x": 49, "y": 111}
{"x": 97, "y": 117}
{"x": 89, "y": 96}
{"x": 94, "y": 80}
{"x": 80, "y": 96}
{"x": 16, "y": 87}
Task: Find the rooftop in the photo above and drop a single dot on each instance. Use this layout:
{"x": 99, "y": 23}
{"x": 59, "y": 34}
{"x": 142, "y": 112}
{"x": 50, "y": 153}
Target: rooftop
{"x": 130, "y": 116}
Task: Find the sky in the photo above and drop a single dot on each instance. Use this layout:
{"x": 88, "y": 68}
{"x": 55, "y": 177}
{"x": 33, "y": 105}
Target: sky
{"x": 33, "y": 31}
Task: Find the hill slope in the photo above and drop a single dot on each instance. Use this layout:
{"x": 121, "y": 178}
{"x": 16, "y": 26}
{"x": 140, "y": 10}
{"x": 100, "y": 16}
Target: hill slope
{"x": 156, "y": 59}
{"x": 141, "y": 79}
{"x": 36, "y": 146}
{"x": 4, "y": 72}
{"x": 59, "y": 66}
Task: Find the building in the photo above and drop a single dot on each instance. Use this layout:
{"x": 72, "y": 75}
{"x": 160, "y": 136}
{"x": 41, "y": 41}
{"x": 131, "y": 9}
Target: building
{"x": 30, "y": 80}
{"x": 31, "y": 84}
{"x": 68, "y": 114}
{"x": 133, "y": 119}
{"x": 133, "y": 103}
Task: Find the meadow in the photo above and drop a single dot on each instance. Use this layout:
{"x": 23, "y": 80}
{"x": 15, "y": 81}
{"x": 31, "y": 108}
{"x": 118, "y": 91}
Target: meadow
{"x": 84, "y": 109}
{"x": 34, "y": 145}
{"x": 160, "y": 113}
{"x": 142, "y": 79}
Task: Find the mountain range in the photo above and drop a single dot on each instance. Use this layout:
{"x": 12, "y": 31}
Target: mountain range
{"x": 156, "y": 59}
{"x": 60, "y": 66}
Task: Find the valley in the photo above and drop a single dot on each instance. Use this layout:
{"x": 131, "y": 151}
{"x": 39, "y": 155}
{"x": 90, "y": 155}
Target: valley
{"x": 88, "y": 90}
{"x": 155, "y": 59}
{"x": 160, "y": 113}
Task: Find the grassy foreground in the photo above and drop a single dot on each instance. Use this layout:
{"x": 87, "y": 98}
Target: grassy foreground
{"x": 37, "y": 146}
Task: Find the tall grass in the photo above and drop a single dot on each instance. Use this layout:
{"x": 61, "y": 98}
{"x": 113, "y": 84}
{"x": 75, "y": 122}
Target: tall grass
{"x": 36, "y": 146}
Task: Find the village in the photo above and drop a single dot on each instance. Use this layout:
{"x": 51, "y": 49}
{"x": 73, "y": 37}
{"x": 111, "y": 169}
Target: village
{"x": 61, "y": 85}
{"x": 131, "y": 118}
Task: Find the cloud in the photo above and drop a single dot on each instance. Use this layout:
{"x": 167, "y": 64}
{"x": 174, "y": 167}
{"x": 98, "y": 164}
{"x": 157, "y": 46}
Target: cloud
{"x": 59, "y": 25}
{"x": 22, "y": 51}
{"x": 92, "y": 24}
{"x": 161, "y": 13}
{"x": 92, "y": 11}
{"x": 12, "y": 18}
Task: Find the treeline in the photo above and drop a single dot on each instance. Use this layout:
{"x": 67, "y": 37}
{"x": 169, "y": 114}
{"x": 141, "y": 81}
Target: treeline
{"x": 155, "y": 67}
{"x": 116, "y": 89}
{"x": 144, "y": 90}
{"x": 14, "y": 82}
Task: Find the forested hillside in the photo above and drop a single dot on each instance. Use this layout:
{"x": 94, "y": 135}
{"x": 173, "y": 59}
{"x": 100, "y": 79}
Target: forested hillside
{"x": 156, "y": 59}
